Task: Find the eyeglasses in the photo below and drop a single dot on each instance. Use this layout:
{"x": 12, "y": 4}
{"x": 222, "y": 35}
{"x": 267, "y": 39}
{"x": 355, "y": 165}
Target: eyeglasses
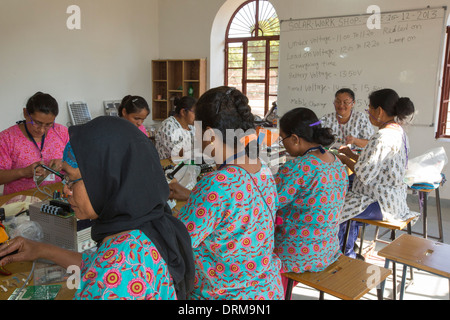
{"x": 38, "y": 124}
{"x": 281, "y": 140}
{"x": 70, "y": 183}
{"x": 345, "y": 103}
{"x": 370, "y": 115}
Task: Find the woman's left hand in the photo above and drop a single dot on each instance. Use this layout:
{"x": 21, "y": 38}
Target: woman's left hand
{"x": 55, "y": 164}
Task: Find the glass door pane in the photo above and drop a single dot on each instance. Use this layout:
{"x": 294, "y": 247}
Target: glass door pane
{"x": 256, "y": 97}
{"x": 256, "y": 60}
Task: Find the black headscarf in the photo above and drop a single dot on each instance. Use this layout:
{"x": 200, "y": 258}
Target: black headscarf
{"x": 126, "y": 185}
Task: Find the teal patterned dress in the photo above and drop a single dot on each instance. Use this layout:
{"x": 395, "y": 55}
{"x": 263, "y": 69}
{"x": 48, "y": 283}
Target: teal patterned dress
{"x": 311, "y": 196}
{"x": 230, "y": 216}
{"x": 126, "y": 267}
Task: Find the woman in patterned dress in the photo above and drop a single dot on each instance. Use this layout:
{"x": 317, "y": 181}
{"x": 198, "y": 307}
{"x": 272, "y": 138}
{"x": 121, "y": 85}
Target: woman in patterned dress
{"x": 349, "y": 126}
{"x": 134, "y": 109}
{"x": 37, "y": 140}
{"x": 230, "y": 213}
{"x": 379, "y": 192}
{"x": 143, "y": 252}
{"x": 175, "y": 137}
{"x": 311, "y": 191}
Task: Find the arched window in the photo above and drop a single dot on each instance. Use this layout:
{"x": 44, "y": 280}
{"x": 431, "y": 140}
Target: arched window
{"x": 251, "y": 53}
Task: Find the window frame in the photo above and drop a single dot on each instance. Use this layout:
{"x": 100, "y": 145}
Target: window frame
{"x": 245, "y": 41}
{"x": 443, "y": 121}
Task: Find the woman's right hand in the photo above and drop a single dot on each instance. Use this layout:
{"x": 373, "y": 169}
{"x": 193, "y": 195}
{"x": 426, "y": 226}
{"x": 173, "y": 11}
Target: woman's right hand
{"x": 346, "y": 150}
{"x": 178, "y": 192}
{"x": 27, "y": 250}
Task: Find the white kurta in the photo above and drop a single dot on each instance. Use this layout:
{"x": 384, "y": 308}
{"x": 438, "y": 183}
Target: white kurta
{"x": 379, "y": 172}
{"x": 171, "y": 137}
{"x": 358, "y": 126}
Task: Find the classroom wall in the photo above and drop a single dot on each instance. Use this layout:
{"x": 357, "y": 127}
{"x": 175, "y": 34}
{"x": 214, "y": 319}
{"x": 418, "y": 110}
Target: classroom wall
{"x": 108, "y": 58}
{"x": 196, "y": 28}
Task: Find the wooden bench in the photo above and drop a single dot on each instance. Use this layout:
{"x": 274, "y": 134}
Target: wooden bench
{"x": 419, "y": 253}
{"x": 347, "y": 279}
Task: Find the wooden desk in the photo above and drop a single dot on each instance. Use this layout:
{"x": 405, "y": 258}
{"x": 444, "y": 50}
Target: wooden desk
{"x": 32, "y": 192}
{"x": 419, "y": 253}
{"x": 21, "y": 271}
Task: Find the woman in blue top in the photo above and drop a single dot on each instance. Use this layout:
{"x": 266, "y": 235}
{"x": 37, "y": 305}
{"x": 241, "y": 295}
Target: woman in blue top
{"x": 311, "y": 191}
{"x": 230, "y": 213}
{"x": 143, "y": 252}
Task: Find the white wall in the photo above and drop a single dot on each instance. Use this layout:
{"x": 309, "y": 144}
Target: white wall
{"x": 196, "y": 28}
{"x": 110, "y": 56}
{"x": 107, "y": 59}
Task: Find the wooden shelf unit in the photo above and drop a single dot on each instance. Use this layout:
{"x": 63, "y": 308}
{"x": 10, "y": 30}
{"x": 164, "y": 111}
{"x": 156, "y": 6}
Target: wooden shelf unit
{"x": 173, "y": 78}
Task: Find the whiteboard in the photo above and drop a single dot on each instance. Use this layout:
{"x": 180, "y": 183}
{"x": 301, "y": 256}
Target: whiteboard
{"x": 319, "y": 56}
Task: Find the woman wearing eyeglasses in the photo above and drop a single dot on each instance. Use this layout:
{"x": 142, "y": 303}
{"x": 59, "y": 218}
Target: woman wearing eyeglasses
{"x": 349, "y": 126}
{"x": 311, "y": 191}
{"x": 36, "y": 140}
{"x": 175, "y": 137}
{"x": 379, "y": 192}
{"x": 143, "y": 252}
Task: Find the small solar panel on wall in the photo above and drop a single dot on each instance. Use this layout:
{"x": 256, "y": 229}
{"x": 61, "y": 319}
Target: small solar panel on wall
{"x": 79, "y": 112}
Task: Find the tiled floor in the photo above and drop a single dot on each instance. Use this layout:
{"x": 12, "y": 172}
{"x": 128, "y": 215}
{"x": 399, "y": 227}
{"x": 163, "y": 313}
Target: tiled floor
{"x": 425, "y": 285}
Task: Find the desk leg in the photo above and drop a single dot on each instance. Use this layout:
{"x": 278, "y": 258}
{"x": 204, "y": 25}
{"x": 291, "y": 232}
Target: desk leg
{"x": 439, "y": 215}
{"x": 425, "y": 214}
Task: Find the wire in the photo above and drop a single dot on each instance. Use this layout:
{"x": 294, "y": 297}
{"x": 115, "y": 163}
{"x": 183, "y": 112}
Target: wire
{"x": 15, "y": 294}
{"x": 37, "y": 185}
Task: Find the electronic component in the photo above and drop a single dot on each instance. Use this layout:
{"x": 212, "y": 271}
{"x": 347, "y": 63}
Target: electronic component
{"x": 172, "y": 174}
{"x": 60, "y": 226}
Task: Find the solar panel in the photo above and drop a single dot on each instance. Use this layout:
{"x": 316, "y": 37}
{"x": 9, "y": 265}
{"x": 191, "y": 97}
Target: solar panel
{"x": 112, "y": 107}
{"x": 79, "y": 112}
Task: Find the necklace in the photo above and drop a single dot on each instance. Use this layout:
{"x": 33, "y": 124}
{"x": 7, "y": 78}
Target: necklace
{"x": 387, "y": 122}
{"x": 33, "y": 140}
{"x": 320, "y": 148}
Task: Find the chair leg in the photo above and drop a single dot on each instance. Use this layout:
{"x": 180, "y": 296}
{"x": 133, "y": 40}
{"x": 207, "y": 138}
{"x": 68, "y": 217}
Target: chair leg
{"x": 347, "y": 231}
{"x": 409, "y": 229}
{"x": 289, "y": 288}
{"x": 321, "y": 295}
{"x": 402, "y": 288}
{"x": 394, "y": 280}
{"x": 361, "y": 243}
{"x": 383, "y": 283}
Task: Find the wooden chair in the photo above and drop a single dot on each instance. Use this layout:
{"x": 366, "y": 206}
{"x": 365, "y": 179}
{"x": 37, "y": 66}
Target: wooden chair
{"x": 347, "y": 279}
{"x": 390, "y": 226}
{"x": 418, "y": 253}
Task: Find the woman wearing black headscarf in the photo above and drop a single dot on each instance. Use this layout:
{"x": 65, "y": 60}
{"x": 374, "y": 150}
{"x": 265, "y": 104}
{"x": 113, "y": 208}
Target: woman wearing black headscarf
{"x": 114, "y": 178}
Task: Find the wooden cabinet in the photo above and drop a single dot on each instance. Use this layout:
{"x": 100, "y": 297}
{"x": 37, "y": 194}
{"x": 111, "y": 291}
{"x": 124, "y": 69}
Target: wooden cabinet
{"x": 175, "y": 78}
